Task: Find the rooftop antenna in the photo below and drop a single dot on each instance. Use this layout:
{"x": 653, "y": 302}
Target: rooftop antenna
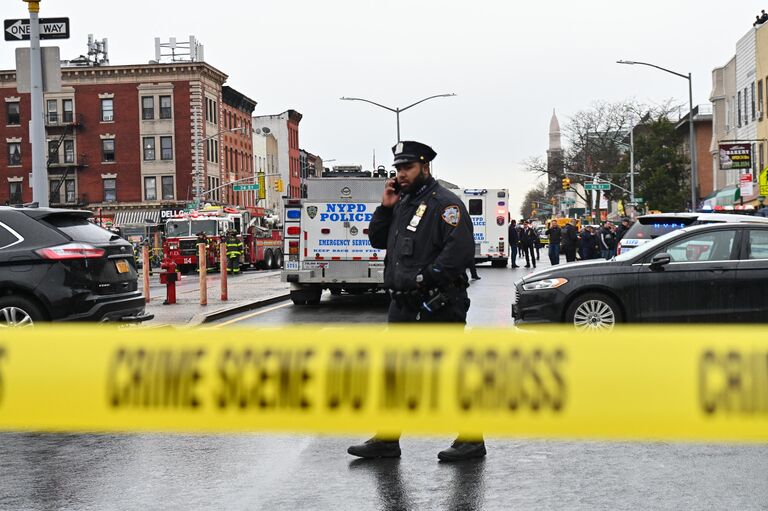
{"x": 179, "y": 51}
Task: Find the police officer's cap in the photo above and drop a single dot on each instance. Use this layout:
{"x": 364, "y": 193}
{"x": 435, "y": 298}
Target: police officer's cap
{"x": 408, "y": 152}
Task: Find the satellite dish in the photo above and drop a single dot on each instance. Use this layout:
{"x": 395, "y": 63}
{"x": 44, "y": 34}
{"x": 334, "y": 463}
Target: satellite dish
{"x": 266, "y": 130}
{"x": 257, "y": 131}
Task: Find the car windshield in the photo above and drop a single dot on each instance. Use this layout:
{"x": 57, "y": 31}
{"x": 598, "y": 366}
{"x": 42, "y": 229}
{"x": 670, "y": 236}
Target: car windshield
{"x": 652, "y": 227}
{"x": 79, "y": 228}
{"x": 177, "y": 228}
{"x": 648, "y": 247}
{"x": 209, "y": 227}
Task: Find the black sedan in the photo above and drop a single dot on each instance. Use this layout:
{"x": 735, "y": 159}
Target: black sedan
{"x": 708, "y": 273}
{"x": 55, "y": 265}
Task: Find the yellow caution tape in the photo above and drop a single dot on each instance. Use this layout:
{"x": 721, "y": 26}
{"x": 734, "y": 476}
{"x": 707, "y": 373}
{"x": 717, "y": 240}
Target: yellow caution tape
{"x": 691, "y": 383}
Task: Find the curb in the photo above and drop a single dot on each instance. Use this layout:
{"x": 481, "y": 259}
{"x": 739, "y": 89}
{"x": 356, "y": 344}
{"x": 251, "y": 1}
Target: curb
{"x": 208, "y": 317}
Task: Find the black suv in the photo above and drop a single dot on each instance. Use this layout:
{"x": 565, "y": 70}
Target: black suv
{"x": 55, "y": 265}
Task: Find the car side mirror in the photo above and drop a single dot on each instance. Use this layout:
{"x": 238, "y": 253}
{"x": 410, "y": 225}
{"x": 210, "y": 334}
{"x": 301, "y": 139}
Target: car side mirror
{"x": 660, "y": 260}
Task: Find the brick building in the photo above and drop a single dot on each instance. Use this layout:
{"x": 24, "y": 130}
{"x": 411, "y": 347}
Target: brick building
{"x": 237, "y": 110}
{"x": 122, "y": 139}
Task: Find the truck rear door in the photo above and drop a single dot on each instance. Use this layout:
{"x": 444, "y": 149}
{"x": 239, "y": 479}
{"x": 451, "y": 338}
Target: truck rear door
{"x": 338, "y": 231}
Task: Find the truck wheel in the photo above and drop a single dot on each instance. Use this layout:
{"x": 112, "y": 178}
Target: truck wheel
{"x": 306, "y": 296}
{"x": 314, "y": 296}
{"x": 278, "y": 259}
{"x": 335, "y": 291}
{"x": 269, "y": 260}
{"x": 499, "y": 263}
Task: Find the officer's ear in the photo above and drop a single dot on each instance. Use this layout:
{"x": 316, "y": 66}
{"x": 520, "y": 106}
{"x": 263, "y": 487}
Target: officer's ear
{"x": 425, "y": 167}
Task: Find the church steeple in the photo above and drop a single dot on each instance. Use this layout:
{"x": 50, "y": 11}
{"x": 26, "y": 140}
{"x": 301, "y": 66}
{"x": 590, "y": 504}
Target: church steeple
{"x": 554, "y": 133}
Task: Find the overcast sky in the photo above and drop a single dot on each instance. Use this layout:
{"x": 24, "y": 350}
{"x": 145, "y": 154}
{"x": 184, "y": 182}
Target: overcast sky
{"x": 509, "y": 62}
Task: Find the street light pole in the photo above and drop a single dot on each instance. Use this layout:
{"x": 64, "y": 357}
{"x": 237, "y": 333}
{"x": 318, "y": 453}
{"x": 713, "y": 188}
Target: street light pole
{"x": 397, "y": 110}
{"x": 691, "y": 136}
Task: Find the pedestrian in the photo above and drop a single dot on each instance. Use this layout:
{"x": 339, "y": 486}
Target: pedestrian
{"x": 234, "y": 251}
{"x": 622, "y": 229}
{"x": 528, "y": 240}
{"x": 429, "y": 239}
{"x": 763, "y": 16}
{"x": 570, "y": 241}
{"x": 554, "y": 234}
{"x": 587, "y": 248}
{"x": 520, "y": 248}
{"x": 473, "y": 271}
{"x": 607, "y": 241}
{"x": 514, "y": 241}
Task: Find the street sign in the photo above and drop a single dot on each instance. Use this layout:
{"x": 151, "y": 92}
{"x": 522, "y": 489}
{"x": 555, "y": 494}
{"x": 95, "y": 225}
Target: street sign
{"x": 246, "y": 188}
{"x": 569, "y": 201}
{"x": 639, "y": 200}
{"x": 50, "y": 28}
{"x": 597, "y": 186}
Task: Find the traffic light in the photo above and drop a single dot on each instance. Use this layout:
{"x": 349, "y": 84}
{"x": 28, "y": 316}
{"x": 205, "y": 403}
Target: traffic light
{"x": 279, "y": 185}
{"x": 566, "y": 183}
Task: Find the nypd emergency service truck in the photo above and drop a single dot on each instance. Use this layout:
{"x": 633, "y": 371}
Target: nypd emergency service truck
{"x": 326, "y": 239}
{"x": 489, "y": 211}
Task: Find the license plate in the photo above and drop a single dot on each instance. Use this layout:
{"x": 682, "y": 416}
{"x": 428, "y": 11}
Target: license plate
{"x": 291, "y": 265}
{"x": 122, "y": 266}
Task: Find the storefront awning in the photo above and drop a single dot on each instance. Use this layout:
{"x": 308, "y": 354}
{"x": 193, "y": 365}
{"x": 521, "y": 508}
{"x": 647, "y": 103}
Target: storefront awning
{"x": 137, "y": 216}
{"x": 727, "y": 196}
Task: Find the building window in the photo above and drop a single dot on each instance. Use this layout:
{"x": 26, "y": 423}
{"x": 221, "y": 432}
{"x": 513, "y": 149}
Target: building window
{"x": 13, "y": 110}
{"x": 108, "y": 150}
{"x": 738, "y": 115}
{"x": 167, "y": 182}
{"x": 14, "y": 153}
{"x": 53, "y": 152}
{"x": 754, "y": 114}
{"x": 69, "y": 191}
{"x": 69, "y": 151}
{"x": 165, "y": 107}
{"x": 166, "y": 148}
{"x": 147, "y": 108}
{"x": 68, "y": 110}
{"x": 149, "y": 148}
{"x": 107, "y": 110}
{"x": 53, "y": 111}
{"x": 110, "y": 190}
{"x": 14, "y": 192}
{"x": 150, "y": 188}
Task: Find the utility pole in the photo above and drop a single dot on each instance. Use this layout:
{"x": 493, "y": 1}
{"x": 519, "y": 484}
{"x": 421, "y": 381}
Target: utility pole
{"x": 39, "y": 183}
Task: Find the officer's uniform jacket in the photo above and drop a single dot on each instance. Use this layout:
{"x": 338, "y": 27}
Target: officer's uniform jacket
{"x": 427, "y": 232}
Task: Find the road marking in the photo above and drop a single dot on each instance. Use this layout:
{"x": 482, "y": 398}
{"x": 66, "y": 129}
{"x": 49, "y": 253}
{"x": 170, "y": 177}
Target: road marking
{"x": 252, "y": 315}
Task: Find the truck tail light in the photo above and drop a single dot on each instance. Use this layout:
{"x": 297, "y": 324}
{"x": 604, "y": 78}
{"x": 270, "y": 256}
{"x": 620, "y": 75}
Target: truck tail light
{"x": 501, "y": 247}
{"x": 71, "y": 251}
{"x": 293, "y": 248}
{"x": 325, "y": 231}
{"x": 293, "y": 231}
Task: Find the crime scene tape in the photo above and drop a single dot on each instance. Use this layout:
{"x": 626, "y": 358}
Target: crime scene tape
{"x": 651, "y": 383}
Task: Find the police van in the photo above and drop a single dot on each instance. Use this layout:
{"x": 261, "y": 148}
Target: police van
{"x": 488, "y": 209}
{"x": 326, "y": 239}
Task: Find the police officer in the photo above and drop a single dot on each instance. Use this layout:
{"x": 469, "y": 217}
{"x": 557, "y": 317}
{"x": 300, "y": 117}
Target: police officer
{"x": 428, "y": 236}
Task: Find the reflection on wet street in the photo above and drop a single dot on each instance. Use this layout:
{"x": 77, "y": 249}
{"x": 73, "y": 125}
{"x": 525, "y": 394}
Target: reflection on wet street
{"x": 98, "y": 472}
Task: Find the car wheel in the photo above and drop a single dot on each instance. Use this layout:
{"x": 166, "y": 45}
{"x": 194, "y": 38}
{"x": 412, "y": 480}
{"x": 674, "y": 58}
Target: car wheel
{"x": 269, "y": 260}
{"x": 593, "y": 312}
{"x": 278, "y": 262}
{"x": 18, "y": 312}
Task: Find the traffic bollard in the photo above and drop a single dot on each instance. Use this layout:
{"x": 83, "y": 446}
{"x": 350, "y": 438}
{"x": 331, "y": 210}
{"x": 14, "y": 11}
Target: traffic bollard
{"x": 145, "y": 266}
{"x": 224, "y": 269}
{"x": 201, "y": 261}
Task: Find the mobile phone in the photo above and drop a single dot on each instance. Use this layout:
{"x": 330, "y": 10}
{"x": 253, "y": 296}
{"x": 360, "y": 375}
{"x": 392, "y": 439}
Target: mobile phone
{"x": 396, "y": 186}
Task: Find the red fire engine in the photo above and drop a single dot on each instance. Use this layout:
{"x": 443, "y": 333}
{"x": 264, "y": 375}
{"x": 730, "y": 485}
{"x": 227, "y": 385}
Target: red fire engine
{"x": 260, "y": 233}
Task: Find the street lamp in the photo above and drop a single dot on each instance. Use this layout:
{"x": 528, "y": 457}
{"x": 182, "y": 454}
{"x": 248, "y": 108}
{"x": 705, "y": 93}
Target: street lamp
{"x": 398, "y": 110}
{"x": 197, "y": 172}
{"x": 692, "y": 140}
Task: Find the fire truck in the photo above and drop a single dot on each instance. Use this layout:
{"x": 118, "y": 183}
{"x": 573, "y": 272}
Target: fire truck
{"x": 256, "y": 227}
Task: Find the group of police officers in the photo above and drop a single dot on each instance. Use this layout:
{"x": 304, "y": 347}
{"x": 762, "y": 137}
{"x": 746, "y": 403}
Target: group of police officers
{"x": 429, "y": 239}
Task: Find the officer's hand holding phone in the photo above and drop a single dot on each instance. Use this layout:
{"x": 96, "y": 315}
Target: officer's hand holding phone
{"x": 391, "y": 193}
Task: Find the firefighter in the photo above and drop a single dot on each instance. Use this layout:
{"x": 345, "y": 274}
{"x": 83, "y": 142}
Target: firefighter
{"x": 234, "y": 251}
{"x": 202, "y": 238}
{"x": 429, "y": 239}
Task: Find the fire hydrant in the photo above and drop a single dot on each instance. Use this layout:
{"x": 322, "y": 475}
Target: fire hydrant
{"x": 168, "y": 276}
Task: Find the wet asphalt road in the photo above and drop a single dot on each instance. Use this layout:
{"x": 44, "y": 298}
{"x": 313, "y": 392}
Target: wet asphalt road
{"x": 84, "y": 472}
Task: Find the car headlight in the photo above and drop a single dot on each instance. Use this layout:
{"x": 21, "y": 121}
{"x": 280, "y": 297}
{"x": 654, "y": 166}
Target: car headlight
{"x": 544, "y": 284}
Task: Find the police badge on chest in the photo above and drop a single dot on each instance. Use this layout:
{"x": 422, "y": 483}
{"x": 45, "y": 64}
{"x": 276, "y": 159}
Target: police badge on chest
{"x": 414, "y": 223}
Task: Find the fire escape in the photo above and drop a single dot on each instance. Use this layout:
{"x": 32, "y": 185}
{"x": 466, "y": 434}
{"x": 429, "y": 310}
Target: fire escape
{"x": 63, "y": 163}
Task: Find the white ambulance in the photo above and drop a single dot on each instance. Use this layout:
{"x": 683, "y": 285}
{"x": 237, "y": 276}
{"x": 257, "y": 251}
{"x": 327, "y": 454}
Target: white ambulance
{"x": 489, "y": 211}
{"x": 326, "y": 239}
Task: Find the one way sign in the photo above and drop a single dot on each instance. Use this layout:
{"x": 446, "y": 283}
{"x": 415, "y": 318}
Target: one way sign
{"x": 50, "y": 28}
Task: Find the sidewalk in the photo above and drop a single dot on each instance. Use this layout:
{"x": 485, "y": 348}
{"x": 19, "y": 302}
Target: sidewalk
{"x": 246, "y": 291}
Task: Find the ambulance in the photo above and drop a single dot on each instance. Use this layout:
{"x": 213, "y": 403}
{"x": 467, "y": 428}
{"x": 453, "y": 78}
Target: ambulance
{"x": 488, "y": 209}
{"x": 326, "y": 242}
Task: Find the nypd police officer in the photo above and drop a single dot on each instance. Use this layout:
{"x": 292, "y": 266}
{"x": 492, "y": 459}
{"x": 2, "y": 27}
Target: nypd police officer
{"x": 429, "y": 239}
